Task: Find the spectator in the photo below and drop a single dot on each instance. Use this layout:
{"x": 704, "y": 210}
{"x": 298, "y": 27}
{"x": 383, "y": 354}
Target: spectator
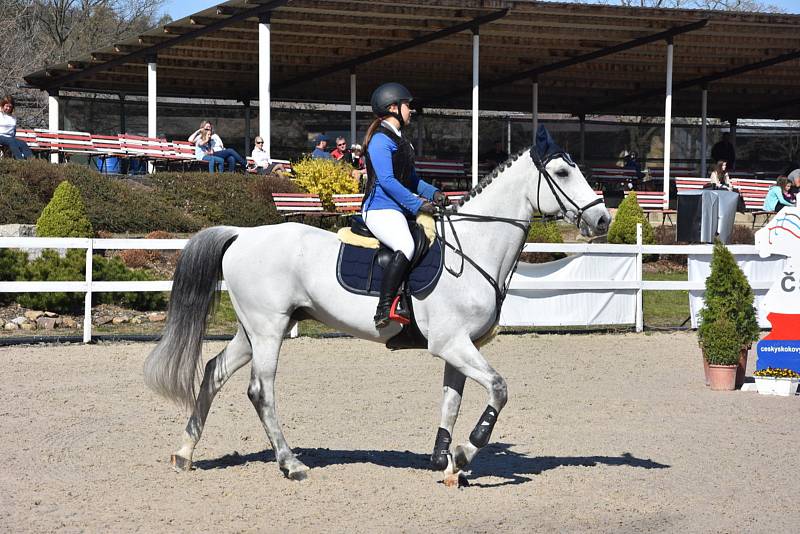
{"x": 794, "y": 181}
{"x": 724, "y": 150}
{"x": 355, "y": 157}
{"x": 263, "y": 164}
{"x": 8, "y": 131}
{"x": 203, "y": 140}
{"x": 631, "y": 161}
{"x": 341, "y": 149}
{"x": 496, "y": 156}
{"x": 719, "y": 176}
{"x": 320, "y": 152}
{"x": 775, "y": 201}
{"x": 212, "y": 147}
{"x": 788, "y": 194}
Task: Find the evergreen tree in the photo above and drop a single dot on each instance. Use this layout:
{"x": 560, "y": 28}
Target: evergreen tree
{"x": 623, "y": 228}
{"x": 64, "y": 215}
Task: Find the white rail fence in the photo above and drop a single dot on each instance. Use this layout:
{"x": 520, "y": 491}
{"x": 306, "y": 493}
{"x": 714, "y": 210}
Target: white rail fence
{"x": 88, "y": 286}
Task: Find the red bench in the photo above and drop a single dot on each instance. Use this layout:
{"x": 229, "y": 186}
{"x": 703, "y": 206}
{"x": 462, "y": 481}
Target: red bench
{"x": 653, "y": 202}
{"x": 348, "y": 203}
{"x": 439, "y": 172}
{"x": 753, "y": 193}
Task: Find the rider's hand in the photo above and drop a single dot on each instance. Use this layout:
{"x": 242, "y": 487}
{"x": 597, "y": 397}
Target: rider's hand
{"x": 440, "y": 199}
{"x": 428, "y": 208}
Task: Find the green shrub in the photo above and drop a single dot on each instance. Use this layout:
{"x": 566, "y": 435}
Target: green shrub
{"x": 325, "y": 177}
{"x": 721, "y": 344}
{"x": 11, "y": 264}
{"x": 52, "y": 267}
{"x": 543, "y": 232}
{"x": 64, "y": 215}
{"x": 728, "y": 295}
{"x": 623, "y": 228}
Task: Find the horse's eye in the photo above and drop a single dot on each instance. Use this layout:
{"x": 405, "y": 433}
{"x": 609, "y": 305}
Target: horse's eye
{"x": 562, "y": 173}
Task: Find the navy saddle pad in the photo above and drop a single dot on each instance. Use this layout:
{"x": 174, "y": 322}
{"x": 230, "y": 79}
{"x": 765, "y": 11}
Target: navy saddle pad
{"x": 359, "y": 270}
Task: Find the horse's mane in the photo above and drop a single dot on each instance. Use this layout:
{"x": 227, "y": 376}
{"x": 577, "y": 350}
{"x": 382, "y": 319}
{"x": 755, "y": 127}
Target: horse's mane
{"x": 486, "y": 180}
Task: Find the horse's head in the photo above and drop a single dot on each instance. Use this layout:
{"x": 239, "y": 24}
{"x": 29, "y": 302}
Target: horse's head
{"x": 561, "y": 189}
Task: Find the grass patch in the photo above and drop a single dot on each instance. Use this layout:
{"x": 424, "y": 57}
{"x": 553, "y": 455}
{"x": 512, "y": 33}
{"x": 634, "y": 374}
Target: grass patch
{"x": 665, "y": 308}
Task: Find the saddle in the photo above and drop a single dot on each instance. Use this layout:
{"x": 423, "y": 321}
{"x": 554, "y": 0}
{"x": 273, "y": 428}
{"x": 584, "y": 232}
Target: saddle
{"x": 359, "y": 269}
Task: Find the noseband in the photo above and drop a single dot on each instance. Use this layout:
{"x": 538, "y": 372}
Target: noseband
{"x": 541, "y": 166}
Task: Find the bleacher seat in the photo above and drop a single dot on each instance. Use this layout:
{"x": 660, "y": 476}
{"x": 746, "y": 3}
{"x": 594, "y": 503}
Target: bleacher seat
{"x": 753, "y": 193}
{"x": 442, "y": 173}
{"x": 653, "y": 202}
{"x": 300, "y": 205}
{"x": 348, "y": 203}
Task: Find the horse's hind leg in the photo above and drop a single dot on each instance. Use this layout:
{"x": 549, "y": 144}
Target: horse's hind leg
{"x": 218, "y": 370}
{"x": 266, "y": 347}
{"x": 465, "y": 358}
{"x": 452, "y": 390}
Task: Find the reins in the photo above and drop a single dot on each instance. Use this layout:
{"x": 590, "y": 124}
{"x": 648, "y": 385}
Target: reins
{"x": 446, "y": 216}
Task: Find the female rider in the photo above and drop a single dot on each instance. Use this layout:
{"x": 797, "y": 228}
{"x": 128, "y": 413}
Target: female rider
{"x": 389, "y": 199}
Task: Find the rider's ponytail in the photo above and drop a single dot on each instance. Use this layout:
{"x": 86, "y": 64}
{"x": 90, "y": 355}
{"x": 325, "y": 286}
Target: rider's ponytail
{"x": 371, "y": 132}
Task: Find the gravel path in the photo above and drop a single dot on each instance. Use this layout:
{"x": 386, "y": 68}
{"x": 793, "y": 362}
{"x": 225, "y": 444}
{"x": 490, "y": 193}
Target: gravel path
{"x": 602, "y": 432}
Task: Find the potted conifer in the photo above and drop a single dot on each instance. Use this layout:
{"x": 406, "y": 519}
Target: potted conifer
{"x": 729, "y": 295}
{"x": 721, "y": 347}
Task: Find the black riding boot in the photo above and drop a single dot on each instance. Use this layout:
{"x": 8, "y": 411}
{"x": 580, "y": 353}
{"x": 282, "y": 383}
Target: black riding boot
{"x": 393, "y": 276}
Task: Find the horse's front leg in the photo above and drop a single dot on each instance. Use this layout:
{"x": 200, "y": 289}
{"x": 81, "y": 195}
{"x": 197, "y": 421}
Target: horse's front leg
{"x": 467, "y": 359}
{"x": 218, "y": 370}
{"x": 453, "y": 389}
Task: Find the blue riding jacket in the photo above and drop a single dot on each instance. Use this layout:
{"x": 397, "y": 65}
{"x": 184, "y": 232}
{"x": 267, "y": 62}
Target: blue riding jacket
{"x": 389, "y": 192}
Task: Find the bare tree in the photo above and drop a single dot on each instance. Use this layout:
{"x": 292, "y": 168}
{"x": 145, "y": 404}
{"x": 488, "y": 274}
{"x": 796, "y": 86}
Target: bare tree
{"x": 37, "y": 33}
{"x": 719, "y": 5}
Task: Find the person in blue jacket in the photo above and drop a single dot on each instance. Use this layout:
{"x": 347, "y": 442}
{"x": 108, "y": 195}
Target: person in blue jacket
{"x": 391, "y": 194}
{"x": 775, "y": 200}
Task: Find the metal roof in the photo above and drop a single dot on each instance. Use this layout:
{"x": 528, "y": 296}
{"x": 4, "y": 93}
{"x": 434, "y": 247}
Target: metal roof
{"x": 316, "y": 43}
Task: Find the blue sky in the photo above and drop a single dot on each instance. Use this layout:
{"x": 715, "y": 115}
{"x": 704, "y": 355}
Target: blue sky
{"x": 181, "y": 8}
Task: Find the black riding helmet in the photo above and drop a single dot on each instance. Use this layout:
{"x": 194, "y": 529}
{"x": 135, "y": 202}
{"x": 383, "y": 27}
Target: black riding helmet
{"x": 388, "y": 94}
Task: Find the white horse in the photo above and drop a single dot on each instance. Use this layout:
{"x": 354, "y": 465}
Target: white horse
{"x": 280, "y": 274}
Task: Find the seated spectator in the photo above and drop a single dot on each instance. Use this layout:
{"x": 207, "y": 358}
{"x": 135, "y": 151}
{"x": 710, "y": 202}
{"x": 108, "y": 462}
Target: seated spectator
{"x": 263, "y": 164}
{"x": 631, "y": 161}
{"x": 8, "y": 131}
{"x": 794, "y": 181}
{"x": 775, "y": 201}
{"x": 213, "y": 148}
{"x": 320, "y": 152}
{"x": 496, "y": 156}
{"x": 719, "y": 176}
{"x": 789, "y": 195}
{"x": 355, "y": 157}
{"x": 341, "y": 149}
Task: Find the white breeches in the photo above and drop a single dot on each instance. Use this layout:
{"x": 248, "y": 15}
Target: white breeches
{"x": 391, "y": 229}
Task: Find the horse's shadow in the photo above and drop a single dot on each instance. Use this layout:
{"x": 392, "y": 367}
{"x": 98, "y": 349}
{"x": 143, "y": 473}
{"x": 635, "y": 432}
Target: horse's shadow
{"x": 496, "y": 460}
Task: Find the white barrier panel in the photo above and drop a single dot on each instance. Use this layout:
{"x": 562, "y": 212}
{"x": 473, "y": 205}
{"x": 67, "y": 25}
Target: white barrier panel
{"x": 760, "y": 272}
{"x": 596, "y": 289}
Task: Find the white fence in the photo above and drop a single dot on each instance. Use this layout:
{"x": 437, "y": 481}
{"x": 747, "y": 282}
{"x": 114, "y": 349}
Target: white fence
{"x": 637, "y": 285}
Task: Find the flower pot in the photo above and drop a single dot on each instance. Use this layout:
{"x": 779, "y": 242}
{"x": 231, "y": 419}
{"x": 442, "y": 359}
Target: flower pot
{"x": 765, "y": 385}
{"x": 722, "y": 377}
{"x": 741, "y": 368}
{"x": 786, "y": 387}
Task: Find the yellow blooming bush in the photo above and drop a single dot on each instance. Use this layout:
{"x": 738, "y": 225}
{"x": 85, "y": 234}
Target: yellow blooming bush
{"x": 325, "y": 178}
{"x": 776, "y": 373}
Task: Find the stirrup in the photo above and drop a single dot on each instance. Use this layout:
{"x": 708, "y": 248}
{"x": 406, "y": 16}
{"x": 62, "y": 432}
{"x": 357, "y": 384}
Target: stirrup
{"x": 399, "y": 312}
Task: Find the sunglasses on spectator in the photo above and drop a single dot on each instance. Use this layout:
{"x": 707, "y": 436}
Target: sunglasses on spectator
{"x": 259, "y": 142}
{"x": 342, "y": 144}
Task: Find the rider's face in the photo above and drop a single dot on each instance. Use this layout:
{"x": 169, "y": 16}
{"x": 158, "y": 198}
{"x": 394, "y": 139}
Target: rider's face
{"x": 405, "y": 112}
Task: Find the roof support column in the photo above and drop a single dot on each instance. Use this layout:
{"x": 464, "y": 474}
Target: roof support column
{"x": 535, "y": 108}
{"x": 264, "y": 68}
{"x": 419, "y": 149}
{"x": 352, "y": 107}
{"x": 52, "y": 116}
{"x": 668, "y": 122}
{"x": 733, "y": 141}
{"x": 123, "y": 118}
{"x": 508, "y": 137}
{"x": 246, "y": 127}
{"x": 582, "y": 120}
{"x": 476, "y": 51}
{"x": 704, "y": 132}
{"x": 152, "y": 95}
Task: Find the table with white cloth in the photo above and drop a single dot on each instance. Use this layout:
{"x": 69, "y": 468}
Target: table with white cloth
{"x": 705, "y": 214}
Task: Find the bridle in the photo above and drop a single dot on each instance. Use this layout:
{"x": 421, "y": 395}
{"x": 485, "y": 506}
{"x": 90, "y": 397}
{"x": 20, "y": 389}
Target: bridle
{"x": 541, "y": 166}
{"x": 445, "y": 219}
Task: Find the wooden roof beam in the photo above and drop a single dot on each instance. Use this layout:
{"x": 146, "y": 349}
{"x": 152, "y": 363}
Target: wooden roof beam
{"x": 153, "y": 50}
{"x": 360, "y": 60}
{"x": 537, "y": 71}
{"x": 702, "y": 80}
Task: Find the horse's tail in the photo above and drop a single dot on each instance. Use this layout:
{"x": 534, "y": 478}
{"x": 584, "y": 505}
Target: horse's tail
{"x": 172, "y": 367}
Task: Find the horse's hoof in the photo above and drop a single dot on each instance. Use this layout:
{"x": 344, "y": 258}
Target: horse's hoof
{"x": 296, "y": 470}
{"x": 179, "y": 463}
{"x": 460, "y": 457}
